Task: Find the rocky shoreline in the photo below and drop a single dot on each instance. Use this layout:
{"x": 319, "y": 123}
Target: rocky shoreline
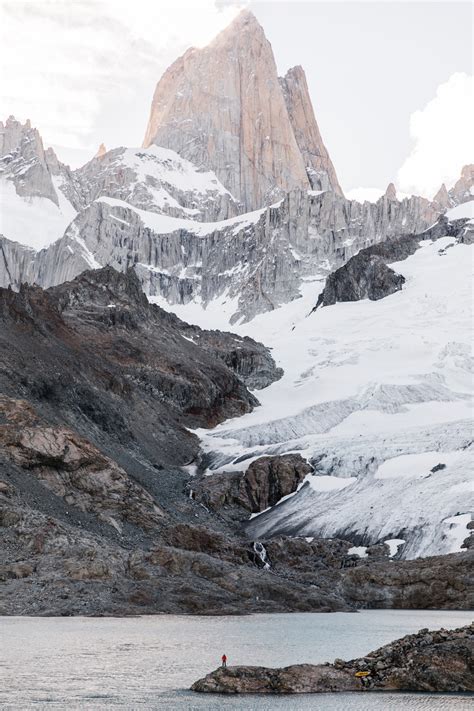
{"x": 428, "y": 661}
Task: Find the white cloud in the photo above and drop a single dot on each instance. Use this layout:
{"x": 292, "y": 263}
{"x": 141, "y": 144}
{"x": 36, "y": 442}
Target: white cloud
{"x": 363, "y": 194}
{"x": 84, "y": 68}
{"x": 371, "y": 194}
{"x": 443, "y": 138}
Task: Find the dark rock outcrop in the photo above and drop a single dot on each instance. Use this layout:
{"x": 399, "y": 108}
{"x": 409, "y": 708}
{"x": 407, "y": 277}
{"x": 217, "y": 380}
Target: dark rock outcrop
{"x": 437, "y": 582}
{"x": 94, "y": 354}
{"x": 365, "y": 276}
{"x": 266, "y": 481}
{"x": 436, "y": 661}
{"x": 249, "y": 360}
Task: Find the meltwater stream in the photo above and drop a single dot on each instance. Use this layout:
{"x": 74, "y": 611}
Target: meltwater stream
{"x": 150, "y": 662}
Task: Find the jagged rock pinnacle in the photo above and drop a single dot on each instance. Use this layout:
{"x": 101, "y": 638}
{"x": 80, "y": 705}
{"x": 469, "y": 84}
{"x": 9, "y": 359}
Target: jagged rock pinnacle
{"x": 391, "y": 192}
{"x": 442, "y": 197}
{"x": 101, "y": 151}
{"x": 224, "y": 108}
{"x": 305, "y": 127}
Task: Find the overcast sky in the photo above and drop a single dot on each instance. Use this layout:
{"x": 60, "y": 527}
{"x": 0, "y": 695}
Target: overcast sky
{"x": 391, "y": 82}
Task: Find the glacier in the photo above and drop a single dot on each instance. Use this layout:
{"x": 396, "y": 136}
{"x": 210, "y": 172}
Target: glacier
{"x": 376, "y": 393}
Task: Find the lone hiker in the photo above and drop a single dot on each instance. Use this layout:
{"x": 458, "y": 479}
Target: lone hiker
{"x": 224, "y": 661}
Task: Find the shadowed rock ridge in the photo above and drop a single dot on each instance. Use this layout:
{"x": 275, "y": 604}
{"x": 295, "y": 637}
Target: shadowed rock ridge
{"x": 95, "y": 354}
{"x": 367, "y": 275}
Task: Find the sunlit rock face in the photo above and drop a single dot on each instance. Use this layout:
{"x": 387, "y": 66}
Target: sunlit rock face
{"x": 223, "y": 107}
{"x": 321, "y": 172}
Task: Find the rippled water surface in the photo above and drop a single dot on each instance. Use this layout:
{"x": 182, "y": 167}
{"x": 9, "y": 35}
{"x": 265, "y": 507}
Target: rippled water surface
{"x": 150, "y": 662}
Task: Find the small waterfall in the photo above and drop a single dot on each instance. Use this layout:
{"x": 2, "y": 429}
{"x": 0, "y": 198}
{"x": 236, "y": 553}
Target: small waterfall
{"x": 259, "y": 549}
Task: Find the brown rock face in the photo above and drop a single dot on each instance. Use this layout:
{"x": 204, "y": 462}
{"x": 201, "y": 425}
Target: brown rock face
{"x": 320, "y": 169}
{"x": 72, "y": 468}
{"x": 222, "y": 107}
{"x": 462, "y": 189}
{"x": 264, "y": 483}
{"x": 268, "y": 479}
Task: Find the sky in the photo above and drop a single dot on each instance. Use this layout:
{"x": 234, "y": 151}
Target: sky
{"x": 391, "y": 82}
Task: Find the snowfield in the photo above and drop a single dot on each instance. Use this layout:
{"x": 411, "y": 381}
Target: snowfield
{"x": 166, "y": 166}
{"x": 376, "y": 393}
{"x": 35, "y": 221}
{"x": 164, "y": 224}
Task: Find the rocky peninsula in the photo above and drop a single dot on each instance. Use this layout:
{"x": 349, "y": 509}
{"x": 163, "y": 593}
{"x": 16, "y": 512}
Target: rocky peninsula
{"x": 430, "y": 661}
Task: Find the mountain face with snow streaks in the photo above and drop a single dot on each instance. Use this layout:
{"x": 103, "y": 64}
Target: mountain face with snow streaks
{"x": 225, "y": 134}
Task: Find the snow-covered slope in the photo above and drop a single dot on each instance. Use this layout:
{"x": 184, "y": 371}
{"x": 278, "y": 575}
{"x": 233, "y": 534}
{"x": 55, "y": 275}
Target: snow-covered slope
{"x": 33, "y": 210}
{"x": 377, "y": 393}
{"x": 154, "y": 179}
{"x": 39, "y": 196}
{"x": 465, "y": 209}
{"x": 35, "y": 220}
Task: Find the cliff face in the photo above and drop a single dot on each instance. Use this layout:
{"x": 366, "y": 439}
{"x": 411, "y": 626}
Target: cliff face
{"x": 222, "y": 107}
{"x": 83, "y": 343}
{"x": 259, "y": 259}
{"x": 321, "y": 172}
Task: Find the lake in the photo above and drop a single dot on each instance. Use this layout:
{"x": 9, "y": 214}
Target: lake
{"x": 150, "y": 662}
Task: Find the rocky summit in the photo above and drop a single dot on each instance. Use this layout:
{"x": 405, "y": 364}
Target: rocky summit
{"x": 224, "y": 108}
{"x": 433, "y": 661}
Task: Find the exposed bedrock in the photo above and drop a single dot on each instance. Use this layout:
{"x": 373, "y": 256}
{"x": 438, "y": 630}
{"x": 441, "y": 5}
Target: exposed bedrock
{"x": 364, "y": 276}
{"x": 266, "y": 481}
{"x": 259, "y": 260}
{"x": 24, "y": 162}
{"x": 434, "y": 661}
{"x": 95, "y": 355}
{"x": 72, "y": 468}
{"x": 224, "y": 107}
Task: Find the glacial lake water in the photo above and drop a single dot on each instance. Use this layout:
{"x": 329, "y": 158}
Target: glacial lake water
{"x": 150, "y": 662}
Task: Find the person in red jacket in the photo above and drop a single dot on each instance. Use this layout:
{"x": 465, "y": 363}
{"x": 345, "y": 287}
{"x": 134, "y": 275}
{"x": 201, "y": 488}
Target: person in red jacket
{"x": 224, "y": 661}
